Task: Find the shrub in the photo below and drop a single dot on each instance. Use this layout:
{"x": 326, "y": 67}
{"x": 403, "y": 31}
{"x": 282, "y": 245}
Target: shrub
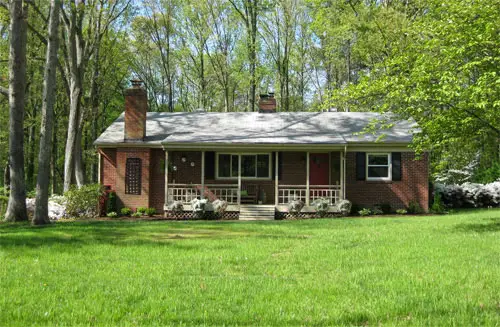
{"x": 219, "y": 206}
{"x": 136, "y": 214}
{"x": 199, "y": 207}
{"x": 401, "y": 211}
{"x": 414, "y": 207}
{"x": 176, "y": 206}
{"x": 344, "y": 207}
{"x": 3, "y": 204}
{"x": 150, "y": 212}
{"x": 377, "y": 211}
{"x": 142, "y": 210}
{"x": 111, "y": 202}
{"x": 355, "y": 208}
{"x": 83, "y": 201}
{"x": 365, "y": 212}
{"x": 437, "y": 205}
{"x": 126, "y": 211}
{"x": 112, "y": 214}
{"x": 321, "y": 205}
{"x": 295, "y": 206}
{"x": 384, "y": 207}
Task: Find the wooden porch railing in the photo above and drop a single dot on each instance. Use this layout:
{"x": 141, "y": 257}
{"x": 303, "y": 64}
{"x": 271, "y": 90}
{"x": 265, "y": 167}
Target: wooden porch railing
{"x": 287, "y": 193}
{"x": 188, "y": 192}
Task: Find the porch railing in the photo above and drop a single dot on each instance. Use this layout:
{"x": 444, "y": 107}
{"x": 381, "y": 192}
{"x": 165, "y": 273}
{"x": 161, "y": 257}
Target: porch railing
{"x": 287, "y": 193}
{"x": 188, "y": 192}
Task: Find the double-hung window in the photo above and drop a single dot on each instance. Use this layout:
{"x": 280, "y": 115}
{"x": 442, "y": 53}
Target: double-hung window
{"x": 253, "y": 166}
{"x": 378, "y": 166}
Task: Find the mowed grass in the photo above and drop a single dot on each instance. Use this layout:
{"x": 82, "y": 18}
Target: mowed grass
{"x": 427, "y": 270}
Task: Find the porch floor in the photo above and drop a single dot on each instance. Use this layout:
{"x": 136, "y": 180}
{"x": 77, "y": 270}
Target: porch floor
{"x": 257, "y": 212}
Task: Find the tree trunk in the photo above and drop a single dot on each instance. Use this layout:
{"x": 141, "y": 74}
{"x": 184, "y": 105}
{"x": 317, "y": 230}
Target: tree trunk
{"x": 16, "y": 208}
{"x": 30, "y": 167}
{"x": 79, "y": 166}
{"x": 41, "y": 215}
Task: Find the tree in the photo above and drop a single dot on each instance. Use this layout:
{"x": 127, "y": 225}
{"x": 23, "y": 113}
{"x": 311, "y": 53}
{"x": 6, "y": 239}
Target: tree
{"x": 49, "y": 91}
{"x": 16, "y": 208}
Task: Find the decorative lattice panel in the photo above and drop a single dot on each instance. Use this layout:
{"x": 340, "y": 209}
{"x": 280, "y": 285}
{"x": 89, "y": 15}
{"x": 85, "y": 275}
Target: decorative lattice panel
{"x": 133, "y": 176}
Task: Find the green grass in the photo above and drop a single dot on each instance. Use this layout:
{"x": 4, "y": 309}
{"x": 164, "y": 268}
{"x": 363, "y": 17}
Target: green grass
{"x": 427, "y": 270}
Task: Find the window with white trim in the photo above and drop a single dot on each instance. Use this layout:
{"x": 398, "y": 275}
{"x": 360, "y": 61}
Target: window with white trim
{"x": 378, "y": 166}
{"x": 253, "y": 166}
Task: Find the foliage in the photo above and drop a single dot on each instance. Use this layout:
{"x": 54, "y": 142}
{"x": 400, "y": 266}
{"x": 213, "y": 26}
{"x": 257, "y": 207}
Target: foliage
{"x": 385, "y": 208}
{"x": 111, "y": 202}
{"x": 295, "y": 206}
{"x": 176, "y": 206}
{"x": 141, "y": 210}
{"x": 401, "y": 211}
{"x": 126, "y": 212}
{"x": 414, "y": 208}
{"x": 377, "y": 211}
{"x": 4, "y": 200}
{"x": 469, "y": 195}
{"x": 199, "y": 207}
{"x": 488, "y": 175}
{"x": 150, "y": 212}
{"x": 84, "y": 201}
{"x": 344, "y": 207}
{"x": 219, "y": 206}
{"x": 112, "y": 214}
{"x": 321, "y": 205}
{"x": 136, "y": 214}
{"x": 365, "y": 212}
{"x": 437, "y": 205}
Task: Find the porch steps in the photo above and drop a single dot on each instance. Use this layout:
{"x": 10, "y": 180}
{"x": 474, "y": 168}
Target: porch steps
{"x": 256, "y": 212}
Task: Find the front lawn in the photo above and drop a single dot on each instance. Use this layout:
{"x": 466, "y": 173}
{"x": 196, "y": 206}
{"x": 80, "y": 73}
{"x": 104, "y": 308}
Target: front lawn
{"x": 428, "y": 270}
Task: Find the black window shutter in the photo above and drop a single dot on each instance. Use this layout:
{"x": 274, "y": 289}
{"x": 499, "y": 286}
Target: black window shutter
{"x": 396, "y": 166}
{"x": 360, "y": 166}
{"x": 209, "y": 165}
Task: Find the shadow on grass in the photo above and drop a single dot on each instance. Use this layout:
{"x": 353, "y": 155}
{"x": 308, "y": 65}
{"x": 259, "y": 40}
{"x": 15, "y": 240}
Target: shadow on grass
{"x": 490, "y": 227}
{"x": 76, "y": 234}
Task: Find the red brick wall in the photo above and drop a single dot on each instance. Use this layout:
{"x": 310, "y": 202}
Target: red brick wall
{"x": 414, "y": 184}
{"x": 131, "y": 200}
{"x": 108, "y": 170}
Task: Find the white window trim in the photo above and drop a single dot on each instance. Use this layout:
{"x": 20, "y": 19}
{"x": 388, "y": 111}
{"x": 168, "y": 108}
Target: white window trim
{"x": 389, "y": 166}
{"x": 242, "y": 177}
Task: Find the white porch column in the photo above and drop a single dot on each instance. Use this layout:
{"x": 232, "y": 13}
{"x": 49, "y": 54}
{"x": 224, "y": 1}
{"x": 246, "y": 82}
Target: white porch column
{"x": 344, "y": 175}
{"x": 239, "y": 179}
{"x": 341, "y": 195}
{"x": 166, "y": 178}
{"x": 202, "y": 196}
{"x": 308, "y": 195}
{"x": 276, "y": 190}
{"x": 99, "y": 172}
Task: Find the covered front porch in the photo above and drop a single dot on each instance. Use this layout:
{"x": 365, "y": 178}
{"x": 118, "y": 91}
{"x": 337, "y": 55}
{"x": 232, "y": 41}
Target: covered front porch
{"x": 253, "y": 178}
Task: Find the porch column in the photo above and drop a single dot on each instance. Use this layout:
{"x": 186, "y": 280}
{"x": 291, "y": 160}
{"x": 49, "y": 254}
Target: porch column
{"x": 276, "y": 190}
{"x": 344, "y": 174}
{"x": 341, "y": 195}
{"x": 308, "y": 195}
{"x": 202, "y": 196}
{"x": 99, "y": 159}
{"x": 239, "y": 179}
{"x": 166, "y": 178}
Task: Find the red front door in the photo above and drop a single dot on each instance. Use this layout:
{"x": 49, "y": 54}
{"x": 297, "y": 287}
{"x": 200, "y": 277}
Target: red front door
{"x": 318, "y": 168}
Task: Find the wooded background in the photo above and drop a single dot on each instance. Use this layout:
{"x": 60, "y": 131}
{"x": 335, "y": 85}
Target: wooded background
{"x": 436, "y": 61}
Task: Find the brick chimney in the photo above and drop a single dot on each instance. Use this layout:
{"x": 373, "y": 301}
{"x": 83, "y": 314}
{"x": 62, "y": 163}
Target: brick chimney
{"x": 267, "y": 103}
{"x": 136, "y": 107}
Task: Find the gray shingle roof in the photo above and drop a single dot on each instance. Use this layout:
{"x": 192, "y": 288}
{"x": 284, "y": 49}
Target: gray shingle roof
{"x": 299, "y": 128}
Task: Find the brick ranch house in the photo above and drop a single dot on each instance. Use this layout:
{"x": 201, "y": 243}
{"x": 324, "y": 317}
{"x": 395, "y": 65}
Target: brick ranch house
{"x": 256, "y": 160}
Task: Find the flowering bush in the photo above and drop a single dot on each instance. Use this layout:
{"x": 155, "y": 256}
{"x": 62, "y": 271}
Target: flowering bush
{"x": 344, "y": 207}
{"x": 83, "y": 201}
{"x": 199, "y": 206}
{"x": 295, "y": 206}
{"x": 219, "y": 206}
{"x": 176, "y": 206}
{"x": 469, "y": 195}
{"x": 321, "y": 205}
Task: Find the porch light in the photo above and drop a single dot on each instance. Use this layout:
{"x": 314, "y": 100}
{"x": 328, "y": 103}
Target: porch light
{"x": 192, "y": 163}
{"x": 183, "y": 159}
{"x": 174, "y": 168}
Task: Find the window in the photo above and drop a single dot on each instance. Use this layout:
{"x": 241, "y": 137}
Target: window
{"x": 378, "y": 166}
{"x": 133, "y": 176}
{"x": 252, "y": 166}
